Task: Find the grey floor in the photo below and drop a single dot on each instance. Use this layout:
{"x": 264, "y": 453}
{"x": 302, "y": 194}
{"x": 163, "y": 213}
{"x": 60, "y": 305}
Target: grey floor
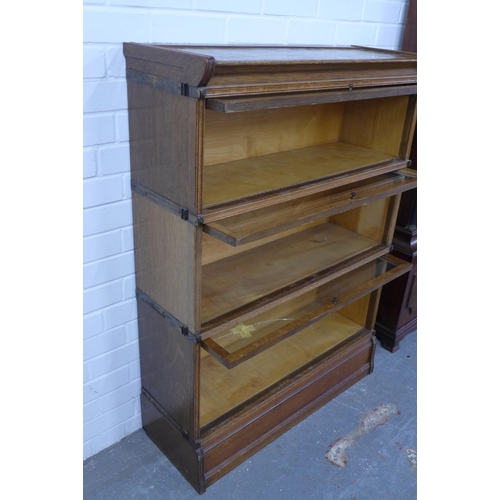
{"x": 374, "y": 425}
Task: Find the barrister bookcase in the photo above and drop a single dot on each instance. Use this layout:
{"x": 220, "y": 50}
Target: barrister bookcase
{"x": 265, "y": 183}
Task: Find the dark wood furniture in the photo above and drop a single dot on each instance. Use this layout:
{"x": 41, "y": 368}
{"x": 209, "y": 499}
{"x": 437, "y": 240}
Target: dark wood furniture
{"x": 397, "y": 315}
{"x": 266, "y": 183}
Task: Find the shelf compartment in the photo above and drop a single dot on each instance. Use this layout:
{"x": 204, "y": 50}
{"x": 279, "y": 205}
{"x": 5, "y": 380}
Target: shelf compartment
{"x": 289, "y": 174}
{"x": 260, "y": 223}
{"x": 278, "y": 409}
{"x": 244, "y": 341}
{"x": 241, "y": 385}
{"x": 240, "y": 104}
{"x": 239, "y": 284}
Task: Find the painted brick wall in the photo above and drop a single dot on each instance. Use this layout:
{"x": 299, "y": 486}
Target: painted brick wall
{"x": 111, "y": 373}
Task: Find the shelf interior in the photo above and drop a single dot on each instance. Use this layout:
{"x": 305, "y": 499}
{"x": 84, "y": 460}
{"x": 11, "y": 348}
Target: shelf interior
{"x": 295, "y": 314}
{"x": 222, "y": 390}
{"x": 256, "y": 224}
{"x": 232, "y": 282}
{"x": 262, "y": 152}
{"x": 264, "y": 174}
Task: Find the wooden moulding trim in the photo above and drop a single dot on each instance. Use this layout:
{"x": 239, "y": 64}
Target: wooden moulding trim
{"x": 188, "y": 67}
{"x": 194, "y": 66}
{"x": 239, "y": 206}
{"x": 241, "y": 104}
{"x": 372, "y": 357}
{"x": 338, "y": 203}
{"x": 409, "y": 127}
{"x": 390, "y": 339}
{"x": 226, "y": 91}
{"x": 405, "y": 241}
{"x": 230, "y": 360}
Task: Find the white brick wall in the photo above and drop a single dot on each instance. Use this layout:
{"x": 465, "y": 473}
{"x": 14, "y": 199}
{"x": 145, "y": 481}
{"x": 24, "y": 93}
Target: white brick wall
{"x": 111, "y": 356}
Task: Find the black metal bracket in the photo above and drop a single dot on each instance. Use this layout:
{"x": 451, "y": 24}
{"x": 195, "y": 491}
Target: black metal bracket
{"x": 165, "y": 84}
{"x": 171, "y": 319}
{"x": 196, "y": 220}
{"x": 193, "y": 338}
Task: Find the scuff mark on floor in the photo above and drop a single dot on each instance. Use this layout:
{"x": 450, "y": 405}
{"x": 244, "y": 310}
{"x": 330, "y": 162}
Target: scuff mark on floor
{"x": 411, "y": 456}
{"x": 336, "y": 453}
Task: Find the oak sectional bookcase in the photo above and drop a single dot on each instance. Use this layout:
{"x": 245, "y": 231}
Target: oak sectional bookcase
{"x": 265, "y": 183}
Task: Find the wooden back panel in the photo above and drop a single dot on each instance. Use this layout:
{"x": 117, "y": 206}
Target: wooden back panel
{"x": 368, "y": 220}
{"x": 376, "y": 123}
{"x": 236, "y": 136}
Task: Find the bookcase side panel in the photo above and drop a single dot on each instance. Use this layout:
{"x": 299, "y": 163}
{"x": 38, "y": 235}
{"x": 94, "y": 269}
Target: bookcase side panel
{"x": 186, "y": 458}
{"x": 164, "y": 144}
{"x": 169, "y": 364}
{"x": 168, "y": 260}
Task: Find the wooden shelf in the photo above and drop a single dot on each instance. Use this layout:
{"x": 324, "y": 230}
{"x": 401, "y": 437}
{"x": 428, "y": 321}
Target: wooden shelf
{"x": 239, "y": 104}
{"x": 260, "y": 223}
{"x": 242, "y": 181}
{"x": 242, "y": 279}
{"x": 241, "y": 343}
{"x": 234, "y": 387}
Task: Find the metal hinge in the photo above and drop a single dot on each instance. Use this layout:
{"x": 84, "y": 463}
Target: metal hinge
{"x": 193, "y": 338}
{"x": 196, "y": 220}
{"x": 171, "y": 319}
{"x": 165, "y": 84}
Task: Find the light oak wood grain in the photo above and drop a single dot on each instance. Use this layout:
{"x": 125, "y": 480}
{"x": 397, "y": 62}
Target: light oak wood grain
{"x": 376, "y": 124}
{"x": 244, "y": 277}
{"x": 234, "y": 387}
{"x": 260, "y": 146}
{"x": 234, "y": 346}
{"x": 244, "y": 228}
{"x": 265, "y": 174}
{"x": 256, "y": 133}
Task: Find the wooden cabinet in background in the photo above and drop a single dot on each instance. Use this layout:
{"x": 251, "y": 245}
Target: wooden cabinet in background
{"x": 397, "y": 315}
{"x": 266, "y": 183}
